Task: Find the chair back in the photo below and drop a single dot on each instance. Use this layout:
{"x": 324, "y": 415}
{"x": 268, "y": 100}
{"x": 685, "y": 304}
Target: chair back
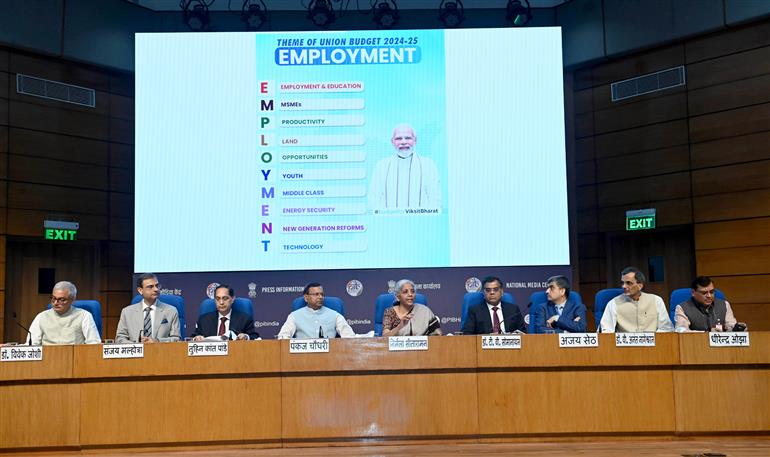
{"x": 602, "y": 298}
{"x": 177, "y": 302}
{"x": 240, "y": 304}
{"x": 680, "y": 295}
{"x": 334, "y": 303}
{"x": 93, "y": 307}
{"x": 474, "y": 298}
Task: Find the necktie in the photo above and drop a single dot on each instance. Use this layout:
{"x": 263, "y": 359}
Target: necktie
{"x": 495, "y": 320}
{"x": 147, "y": 328}
{"x": 222, "y": 326}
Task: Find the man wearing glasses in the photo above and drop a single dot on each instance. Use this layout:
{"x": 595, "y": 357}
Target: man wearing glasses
{"x": 224, "y": 321}
{"x": 494, "y": 315}
{"x": 150, "y": 320}
{"x": 63, "y": 323}
{"x": 703, "y": 310}
{"x": 315, "y": 320}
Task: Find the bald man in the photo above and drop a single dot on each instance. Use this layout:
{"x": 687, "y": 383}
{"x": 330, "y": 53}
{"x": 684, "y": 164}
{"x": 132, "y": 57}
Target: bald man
{"x": 405, "y": 179}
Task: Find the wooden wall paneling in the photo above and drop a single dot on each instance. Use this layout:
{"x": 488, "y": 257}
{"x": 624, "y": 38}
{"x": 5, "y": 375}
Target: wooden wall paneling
{"x": 584, "y": 149}
{"x": 583, "y": 101}
{"x": 669, "y": 213}
{"x": 648, "y": 137}
{"x": 587, "y": 221}
{"x": 181, "y": 411}
{"x": 743, "y": 289}
{"x": 122, "y": 180}
{"x": 647, "y": 163}
{"x": 584, "y": 125}
{"x": 643, "y": 112}
{"x": 734, "y": 205}
{"x": 57, "y": 120}
{"x": 755, "y": 315}
{"x": 626, "y": 402}
{"x": 729, "y": 234}
{"x": 731, "y": 67}
{"x": 3, "y": 60}
{"x": 733, "y": 261}
{"x": 602, "y": 97}
{"x": 122, "y": 83}
{"x": 121, "y": 205}
{"x": 3, "y": 142}
{"x": 694, "y": 393}
{"x": 55, "y": 146}
{"x": 728, "y": 42}
{"x": 119, "y": 254}
{"x": 648, "y": 62}
{"x": 734, "y": 94}
{"x": 629, "y": 191}
{"x": 56, "y": 198}
{"x": 30, "y": 412}
{"x": 585, "y": 172}
{"x": 725, "y": 151}
{"x": 4, "y": 118}
{"x": 121, "y": 131}
{"x": 414, "y": 405}
{"x": 739, "y": 121}
{"x": 59, "y": 70}
{"x": 582, "y": 78}
{"x": 731, "y": 178}
{"x": 117, "y": 277}
{"x": 115, "y": 301}
{"x": 4, "y": 84}
{"x": 48, "y": 171}
{"x": 591, "y": 245}
{"x": 121, "y": 106}
{"x": 121, "y": 155}
{"x": 585, "y": 197}
{"x": 592, "y": 269}
{"x": 122, "y": 229}
{"x": 27, "y": 222}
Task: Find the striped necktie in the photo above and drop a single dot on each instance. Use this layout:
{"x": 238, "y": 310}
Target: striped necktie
{"x": 147, "y": 329}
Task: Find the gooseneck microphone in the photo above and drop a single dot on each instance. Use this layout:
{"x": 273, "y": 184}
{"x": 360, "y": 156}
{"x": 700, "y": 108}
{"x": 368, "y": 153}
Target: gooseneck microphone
{"x": 29, "y": 334}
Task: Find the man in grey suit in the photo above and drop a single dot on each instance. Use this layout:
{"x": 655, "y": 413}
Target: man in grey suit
{"x": 150, "y": 320}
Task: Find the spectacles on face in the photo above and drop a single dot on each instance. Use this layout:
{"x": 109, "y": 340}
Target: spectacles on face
{"x": 223, "y": 299}
{"x": 705, "y": 292}
{"x": 152, "y": 286}
{"x": 59, "y": 300}
{"x": 316, "y": 294}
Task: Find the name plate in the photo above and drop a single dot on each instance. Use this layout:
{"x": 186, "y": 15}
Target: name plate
{"x": 646, "y": 339}
{"x": 578, "y": 340}
{"x": 21, "y": 353}
{"x": 309, "y": 346}
{"x": 408, "y": 343}
{"x": 205, "y": 348}
{"x": 123, "y": 351}
{"x": 730, "y": 339}
{"x": 501, "y": 342}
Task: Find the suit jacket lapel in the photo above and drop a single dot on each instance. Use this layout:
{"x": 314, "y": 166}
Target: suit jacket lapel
{"x": 486, "y": 319}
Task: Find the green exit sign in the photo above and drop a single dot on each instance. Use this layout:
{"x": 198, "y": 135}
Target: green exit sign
{"x": 60, "y": 230}
{"x": 640, "y": 219}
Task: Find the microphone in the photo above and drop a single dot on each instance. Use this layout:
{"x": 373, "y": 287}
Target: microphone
{"x": 29, "y": 334}
{"x": 320, "y": 332}
{"x": 410, "y": 329}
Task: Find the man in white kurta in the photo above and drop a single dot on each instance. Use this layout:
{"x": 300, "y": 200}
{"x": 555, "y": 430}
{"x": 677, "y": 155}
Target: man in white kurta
{"x": 406, "y": 179}
{"x": 63, "y": 323}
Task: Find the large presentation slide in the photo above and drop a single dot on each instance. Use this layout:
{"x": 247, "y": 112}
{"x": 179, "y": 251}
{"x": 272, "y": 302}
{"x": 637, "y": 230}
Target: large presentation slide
{"x": 350, "y": 150}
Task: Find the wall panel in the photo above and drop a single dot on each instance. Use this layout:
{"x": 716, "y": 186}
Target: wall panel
{"x": 730, "y": 234}
{"x": 731, "y": 42}
{"x": 739, "y": 121}
{"x": 730, "y": 95}
{"x": 731, "y": 67}
{"x": 645, "y": 138}
{"x": 735, "y": 205}
{"x": 735, "y": 149}
{"x": 644, "y": 112}
{"x": 731, "y": 178}
{"x": 48, "y": 171}
{"x": 55, "y": 146}
{"x": 734, "y": 261}
{"x": 648, "y": 163}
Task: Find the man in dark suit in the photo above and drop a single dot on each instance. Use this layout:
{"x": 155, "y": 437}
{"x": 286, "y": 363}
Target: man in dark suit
{"x": 225, "y": 321}
{"x": 493, "y": 315}
{"x": 559, "y": 314}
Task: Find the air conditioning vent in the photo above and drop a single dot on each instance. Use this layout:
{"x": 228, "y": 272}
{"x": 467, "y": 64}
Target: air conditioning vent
{"x": 653, "y": 82}
{"x": 53, "y": 90}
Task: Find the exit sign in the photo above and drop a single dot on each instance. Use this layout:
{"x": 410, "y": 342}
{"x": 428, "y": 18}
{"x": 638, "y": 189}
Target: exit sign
{"x": 640, "y": 219}
{"x": 60, "y": 230}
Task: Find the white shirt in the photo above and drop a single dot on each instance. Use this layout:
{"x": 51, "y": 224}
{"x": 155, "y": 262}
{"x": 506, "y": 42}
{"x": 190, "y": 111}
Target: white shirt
{"x": 499, "y": 316}
{"x": 87, "y": 326}
{"x": 405, "y": 182}
{"x": 290, "y": 328}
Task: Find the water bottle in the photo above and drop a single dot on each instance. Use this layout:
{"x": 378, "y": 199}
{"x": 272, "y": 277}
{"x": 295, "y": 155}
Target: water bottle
{"x": 718, "y": 326}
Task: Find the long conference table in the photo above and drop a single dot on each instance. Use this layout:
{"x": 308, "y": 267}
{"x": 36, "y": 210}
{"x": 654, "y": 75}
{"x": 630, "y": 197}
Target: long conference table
{"x": 262, "y": 395}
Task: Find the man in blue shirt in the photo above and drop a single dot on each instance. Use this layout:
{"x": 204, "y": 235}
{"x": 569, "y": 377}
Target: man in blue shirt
{"x": 559, "y": 314}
